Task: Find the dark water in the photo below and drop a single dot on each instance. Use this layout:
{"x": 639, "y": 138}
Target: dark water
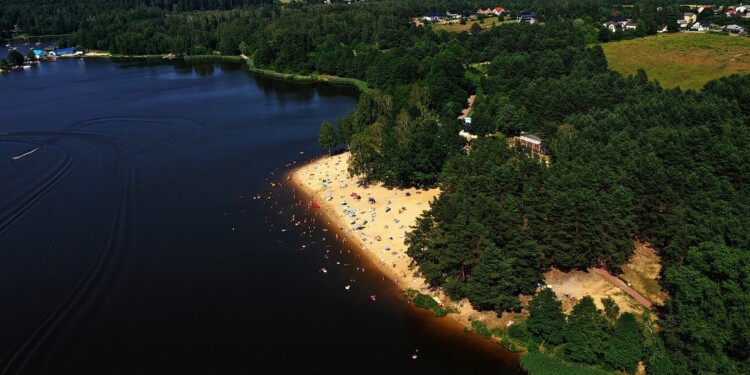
{"x": 129, "y": 242}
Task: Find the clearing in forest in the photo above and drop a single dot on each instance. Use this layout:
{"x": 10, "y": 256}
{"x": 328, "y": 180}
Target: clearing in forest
{"x": 687, "y": 59}
{"x": 642, "y": 272}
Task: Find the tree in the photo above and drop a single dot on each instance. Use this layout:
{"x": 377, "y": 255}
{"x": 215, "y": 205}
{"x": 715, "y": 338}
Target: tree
{"x": 641, "y": 29}
{"x": 626, "y": 348}
{"x": 327, "y": 137}
{"x": 604, "y": 34}
{"x": 708, "y": 324}
{"x": 546, "y": 318}
{"x": 611, "y": 310}
{"x": 346, "y": 128}
{"x": 15, "y": 58}
{"x": 585, "y": 333}
{"x": 475, "y": 28}
{"x": 492, "y": 283}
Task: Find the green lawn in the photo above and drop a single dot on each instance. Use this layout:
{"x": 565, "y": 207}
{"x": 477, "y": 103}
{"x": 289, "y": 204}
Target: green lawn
{"x": 687, "y": 60}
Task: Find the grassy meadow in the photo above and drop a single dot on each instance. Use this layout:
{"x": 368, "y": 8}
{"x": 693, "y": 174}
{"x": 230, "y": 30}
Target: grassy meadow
{"x": 687, "y": 60}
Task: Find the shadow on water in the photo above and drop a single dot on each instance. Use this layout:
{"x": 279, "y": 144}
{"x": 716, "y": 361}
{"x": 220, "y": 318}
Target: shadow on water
{"x": 271, "y": 85}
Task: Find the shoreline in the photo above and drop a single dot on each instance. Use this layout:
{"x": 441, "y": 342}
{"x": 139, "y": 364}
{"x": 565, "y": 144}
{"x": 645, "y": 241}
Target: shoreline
{"x": 382, "y": 233}
{"x": 383, "y": 227}
{"x": 360, "y": 85}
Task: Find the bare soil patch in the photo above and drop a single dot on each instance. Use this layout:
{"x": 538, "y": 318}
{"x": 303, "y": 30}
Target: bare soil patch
{"x": 643, "y": 273}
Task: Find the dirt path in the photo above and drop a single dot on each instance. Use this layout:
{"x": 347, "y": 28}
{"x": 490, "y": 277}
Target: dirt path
{"x": 621, "y": 284}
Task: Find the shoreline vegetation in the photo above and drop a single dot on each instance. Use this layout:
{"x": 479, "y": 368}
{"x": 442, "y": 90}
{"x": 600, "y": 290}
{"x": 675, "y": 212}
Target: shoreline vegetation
{"x": 362, "y": 86}
{"x": 334, "y": 80}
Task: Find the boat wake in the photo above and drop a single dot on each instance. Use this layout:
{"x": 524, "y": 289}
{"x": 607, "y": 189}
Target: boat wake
{"x": 28, "y": 152}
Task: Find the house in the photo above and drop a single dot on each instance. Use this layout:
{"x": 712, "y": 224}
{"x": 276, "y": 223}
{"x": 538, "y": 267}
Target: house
{"x": 735, "y": 29}
{"x": 452, "y": 15}
{"x": 662, "y": 29}
{"x": 630, "y": 26}
{"x": 682, "y": 24}
{"x": 701, "y": 25}
{"x": 485, "y": 12}
{"x": 63, "y": 51}
{"x": 531, "y": 142}
{"x": 619, "y": 23}
{"x": 612, "y": 26}
{"x": 433, "y": 17}
{"x": 527, "y": 17}
{"x": 690, "y": 17}
{"x": 498, "y": 11}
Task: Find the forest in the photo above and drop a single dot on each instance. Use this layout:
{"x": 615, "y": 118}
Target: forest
{"x": 625, "y": 159}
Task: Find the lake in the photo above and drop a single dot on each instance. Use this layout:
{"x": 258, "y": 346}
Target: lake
{"x": 131, "y": 242}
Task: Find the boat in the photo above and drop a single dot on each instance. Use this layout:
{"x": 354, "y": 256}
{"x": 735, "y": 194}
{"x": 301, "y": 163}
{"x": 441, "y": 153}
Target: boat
{"x": 38, "y": 43}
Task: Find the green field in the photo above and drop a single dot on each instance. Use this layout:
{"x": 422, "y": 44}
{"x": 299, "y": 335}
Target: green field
{"x": 687, "y": 60}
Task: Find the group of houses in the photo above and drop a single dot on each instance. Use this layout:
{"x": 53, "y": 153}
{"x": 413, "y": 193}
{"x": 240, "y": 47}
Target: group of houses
{"x": 618, "y": 23}
{"x": 741, "y": 11}
{"x": 689, "y": 21}
{"x": 526, "y": 17}
{"x": 56, "y": 52}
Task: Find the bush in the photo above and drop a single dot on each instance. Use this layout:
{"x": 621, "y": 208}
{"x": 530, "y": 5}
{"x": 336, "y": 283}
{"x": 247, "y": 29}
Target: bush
{"x": 481, "y": 329}
{"x": 426, "y": 302}
{"x": 538, "y": 363}
{"x": 520, "y": 331}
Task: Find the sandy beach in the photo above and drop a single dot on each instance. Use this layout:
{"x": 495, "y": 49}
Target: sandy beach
{"x": 378, "y": 227}
{"x": 374, "y": 217}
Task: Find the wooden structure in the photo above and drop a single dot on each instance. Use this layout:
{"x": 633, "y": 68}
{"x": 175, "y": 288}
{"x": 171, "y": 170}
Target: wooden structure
{"x": 531, "y": 142}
